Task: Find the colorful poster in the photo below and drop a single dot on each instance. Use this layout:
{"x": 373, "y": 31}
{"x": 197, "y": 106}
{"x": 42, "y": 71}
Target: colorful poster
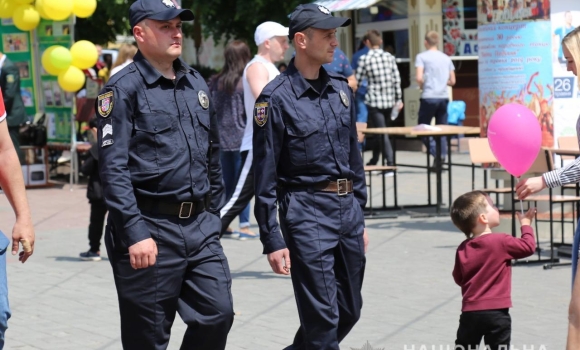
{"x": 16, "y": 46}
{"x": 507, "y": 11}
{"x": 57, "y": 104}
{"x": 565, "y": 17}
{"x": 515, "y": 66}
{"x": 459, "y": 28}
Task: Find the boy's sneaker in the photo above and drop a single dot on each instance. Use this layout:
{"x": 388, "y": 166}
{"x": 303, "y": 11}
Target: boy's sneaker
{"x": 231, "y": 235}
{"x": 389, "y": 173}
{"x": 90, "y": 256}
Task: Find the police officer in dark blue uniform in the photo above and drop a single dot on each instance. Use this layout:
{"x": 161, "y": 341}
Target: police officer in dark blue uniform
{"x": 159, "y": 151}
{"x": 307, "y": 162}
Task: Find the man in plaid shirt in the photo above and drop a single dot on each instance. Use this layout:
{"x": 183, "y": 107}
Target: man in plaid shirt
{"x": 383, "y": 93}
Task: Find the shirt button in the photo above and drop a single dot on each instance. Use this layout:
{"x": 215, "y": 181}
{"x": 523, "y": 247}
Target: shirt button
{"x": 154, "y": 128}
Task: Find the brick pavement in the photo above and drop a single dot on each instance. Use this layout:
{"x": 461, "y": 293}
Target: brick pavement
{"x": 410, "y": 300}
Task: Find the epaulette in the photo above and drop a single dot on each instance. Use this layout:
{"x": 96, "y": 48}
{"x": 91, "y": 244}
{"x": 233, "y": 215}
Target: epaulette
{"x": 273, "y": 85}
{"x": 335, "y": 75}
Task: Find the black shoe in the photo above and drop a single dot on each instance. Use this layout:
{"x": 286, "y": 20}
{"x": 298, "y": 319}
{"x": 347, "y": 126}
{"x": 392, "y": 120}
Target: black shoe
{"x": 90, "y": 256}
{"x": 371, "y": 162}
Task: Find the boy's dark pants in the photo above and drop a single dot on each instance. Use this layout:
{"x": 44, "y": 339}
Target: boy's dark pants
{"x": 495, "y": 326}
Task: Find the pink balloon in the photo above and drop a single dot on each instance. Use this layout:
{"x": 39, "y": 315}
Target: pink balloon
{"x": 515, "y": 138}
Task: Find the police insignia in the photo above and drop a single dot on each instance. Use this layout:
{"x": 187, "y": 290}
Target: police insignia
{"x": 203, "y": 99}
{"x": 10, "y": 78}
{"x": 261, "y": 113}
{"x": 324, "y": 10}
{"x": 105, "y": 104}
{"x": 344, "y": 98}
{"x": 107, "y": 135}
{"x": 169, "y": 3}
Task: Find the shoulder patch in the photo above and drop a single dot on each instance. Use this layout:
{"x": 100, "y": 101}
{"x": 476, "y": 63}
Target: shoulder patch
{"x": 105, "y": 104}
{"x": 261, "y": 113}
{"x": 10, "y": 78}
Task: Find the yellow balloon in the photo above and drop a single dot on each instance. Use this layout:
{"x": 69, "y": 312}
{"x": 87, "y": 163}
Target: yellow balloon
{"x": 58, "y": 10}
{"x": 84, "y": 54}
{"x": 26, "y": 17}
{"x": 7, "y": 8}
{"x": 39, "y": 4}
{"x": 60, "y": 58}
{"x": 47, "y": 63}
{"x": 71, "y": 79}
{"x": 84, "y": 8}
{"x": 22, "y": 2}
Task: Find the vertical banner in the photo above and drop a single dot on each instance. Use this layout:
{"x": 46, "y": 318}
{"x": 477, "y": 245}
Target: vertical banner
{"x": 565, "y": 17}
{"x": 57, "y": 103}
{"x": 515, "y": 65}
{"x": 16, "y": 45}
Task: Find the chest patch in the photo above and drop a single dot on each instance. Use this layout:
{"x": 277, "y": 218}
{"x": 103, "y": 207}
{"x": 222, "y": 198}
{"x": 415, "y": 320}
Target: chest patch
{"x": 261, "y": 113}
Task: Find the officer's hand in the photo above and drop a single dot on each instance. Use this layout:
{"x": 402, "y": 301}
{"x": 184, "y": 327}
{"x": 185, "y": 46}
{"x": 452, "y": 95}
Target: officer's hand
{"x": 143, "y": 254}
{"x": 280, "y": 261}
{"x": 366, "y": 239}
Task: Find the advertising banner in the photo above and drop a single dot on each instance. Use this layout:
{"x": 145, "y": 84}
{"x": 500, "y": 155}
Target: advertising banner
{"x": 515, "y": 65}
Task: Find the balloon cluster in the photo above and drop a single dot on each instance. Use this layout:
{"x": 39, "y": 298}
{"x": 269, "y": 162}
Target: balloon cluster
{"x": 26, "y": 14}
{"x": 68, "y": 64}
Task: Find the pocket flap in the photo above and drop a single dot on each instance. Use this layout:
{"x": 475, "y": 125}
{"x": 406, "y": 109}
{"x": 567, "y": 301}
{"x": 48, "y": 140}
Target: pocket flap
{"x": 153, "y": 122}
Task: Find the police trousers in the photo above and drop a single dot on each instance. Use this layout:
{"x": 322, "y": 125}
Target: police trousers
{"x": 191, "y": 276}
{"x": 324, "y": 234}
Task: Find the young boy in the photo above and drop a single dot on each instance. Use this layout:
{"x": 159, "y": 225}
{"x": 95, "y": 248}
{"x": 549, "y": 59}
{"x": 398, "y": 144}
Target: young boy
{"x": 483, "y": 270}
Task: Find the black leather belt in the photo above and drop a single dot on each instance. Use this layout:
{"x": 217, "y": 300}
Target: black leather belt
{"x": 341, "y": 187}
{"x": 183, "y": 210}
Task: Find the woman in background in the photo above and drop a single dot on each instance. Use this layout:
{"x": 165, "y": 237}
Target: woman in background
{"x": 228, "y": 96}
{"x": 126, "y": 53}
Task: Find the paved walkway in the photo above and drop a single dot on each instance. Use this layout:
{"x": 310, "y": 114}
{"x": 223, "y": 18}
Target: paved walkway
{"x": 410, "y": 299}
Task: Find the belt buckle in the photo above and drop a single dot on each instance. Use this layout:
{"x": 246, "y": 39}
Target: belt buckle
{"x": 181, "y": 215}
{"x": 342, "y": 187}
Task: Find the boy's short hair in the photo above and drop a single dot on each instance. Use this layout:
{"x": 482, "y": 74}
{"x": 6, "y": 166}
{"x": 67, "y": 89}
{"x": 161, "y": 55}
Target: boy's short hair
{"x": 432, "y": 38}
{"x": 465, "y": 210}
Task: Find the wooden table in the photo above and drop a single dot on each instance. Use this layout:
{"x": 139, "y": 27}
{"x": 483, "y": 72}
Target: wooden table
{"x": 411, "y": 131}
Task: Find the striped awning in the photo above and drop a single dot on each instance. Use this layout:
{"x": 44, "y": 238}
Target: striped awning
{"x": 342, "y": 5}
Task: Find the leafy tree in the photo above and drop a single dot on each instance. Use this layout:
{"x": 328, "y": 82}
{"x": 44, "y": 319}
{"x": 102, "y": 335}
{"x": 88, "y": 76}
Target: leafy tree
{"x": 110, "y": 19}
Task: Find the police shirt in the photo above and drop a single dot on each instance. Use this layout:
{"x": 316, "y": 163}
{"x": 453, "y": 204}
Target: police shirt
{"x": 153, "y": 138}
{"x": 302, "y": 137}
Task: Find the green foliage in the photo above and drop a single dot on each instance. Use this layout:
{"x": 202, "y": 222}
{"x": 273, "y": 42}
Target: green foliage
{"x": 109, "y": 19}
{"x": 221, "y": 19}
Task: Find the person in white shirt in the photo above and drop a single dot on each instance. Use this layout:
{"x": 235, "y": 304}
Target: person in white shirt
{"x": 125, "y": 57}
{"x": 272, "y": 41}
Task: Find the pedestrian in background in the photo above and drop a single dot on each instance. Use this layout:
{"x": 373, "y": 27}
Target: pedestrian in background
{"x": 359, "y": 97}
{"x": 90, "y": 168}
{"x": 308, "y": 169}
{"x": 227, "y": 90}
{"x": 159, "y": 165}
{"x": 383, "y": 93}
{"x": 124, "y": 58}
{"x": 272, "y": 41}
{"x": 435, "y": 71}
{"x": 14, "y": 106}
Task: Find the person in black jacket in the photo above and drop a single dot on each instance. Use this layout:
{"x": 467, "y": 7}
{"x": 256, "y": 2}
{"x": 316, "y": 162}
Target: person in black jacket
{"x": 90, "y": 168}
{"x": 16, "y": 113}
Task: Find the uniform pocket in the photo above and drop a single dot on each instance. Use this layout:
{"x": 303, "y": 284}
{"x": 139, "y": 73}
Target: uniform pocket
{"x": 154, "y": 136}
{"x": 203, "y": 132}
{"x": 305, "y": 143}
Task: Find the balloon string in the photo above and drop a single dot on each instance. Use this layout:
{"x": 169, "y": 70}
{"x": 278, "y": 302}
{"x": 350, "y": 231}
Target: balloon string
{"x": 521, "y": 202}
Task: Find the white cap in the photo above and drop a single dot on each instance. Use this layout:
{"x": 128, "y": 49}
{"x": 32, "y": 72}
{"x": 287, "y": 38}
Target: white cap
{"x": 268, "y": 30}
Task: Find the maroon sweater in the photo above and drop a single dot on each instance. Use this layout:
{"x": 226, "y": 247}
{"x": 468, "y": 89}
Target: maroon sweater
{"x": 483, "y": 268}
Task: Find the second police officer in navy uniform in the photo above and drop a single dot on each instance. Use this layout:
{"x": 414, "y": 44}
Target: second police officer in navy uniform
{"x": 159, "y": 152}
{"x": 307, "y": 163}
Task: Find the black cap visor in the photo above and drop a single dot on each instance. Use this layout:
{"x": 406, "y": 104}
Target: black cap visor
{"x": 169, "y": 14}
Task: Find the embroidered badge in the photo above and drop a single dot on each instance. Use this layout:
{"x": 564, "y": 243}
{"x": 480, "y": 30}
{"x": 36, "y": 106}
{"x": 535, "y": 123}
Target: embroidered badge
{"x": 324, "y": 10}
{"x": 10, "y": 78}
{"x": 344, "y": 99}
{"x": 203, "y": 99}
{"x": 107, "y": 134}
{"x": 105, "y": 104}
{"x": 170, "y": 3}
{"x": 261, "y": 113}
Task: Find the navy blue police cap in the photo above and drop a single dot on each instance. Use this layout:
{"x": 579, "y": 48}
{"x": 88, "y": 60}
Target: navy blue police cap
{"x": 160, "y": 10}
{"x": 314, "y": 16}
